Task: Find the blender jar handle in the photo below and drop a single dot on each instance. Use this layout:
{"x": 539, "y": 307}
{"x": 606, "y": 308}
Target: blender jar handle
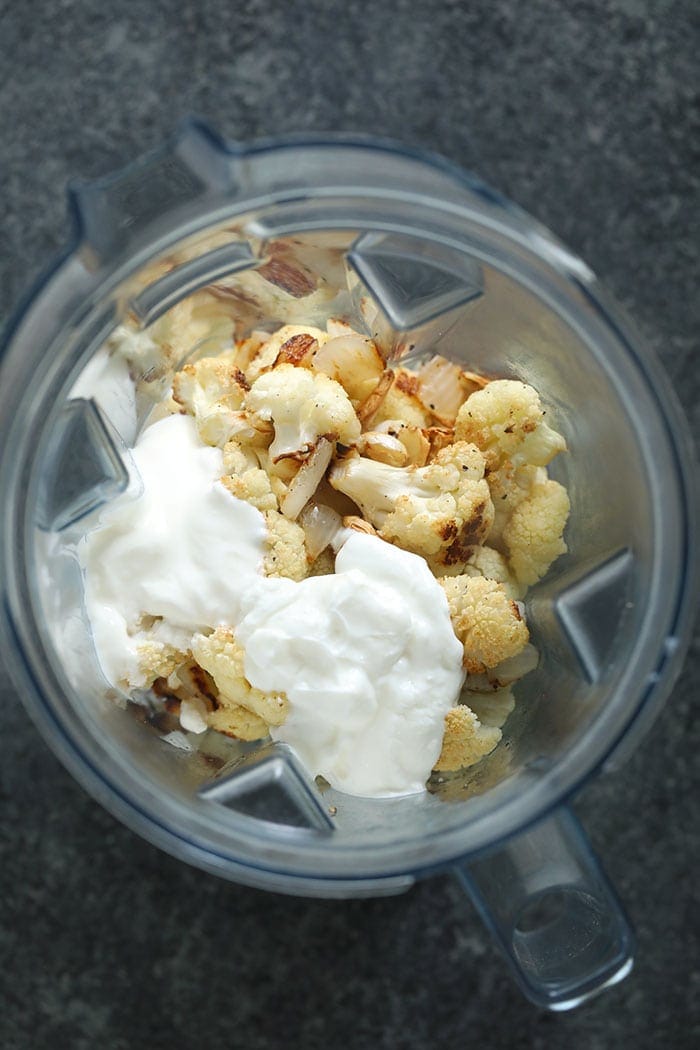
{"x": 553, "y": 912}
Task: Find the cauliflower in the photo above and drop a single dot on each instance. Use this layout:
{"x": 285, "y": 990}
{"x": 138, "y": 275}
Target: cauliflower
{"x": 455, "y": 476}
{"x": 487, "y": 562}
{"x": 286, "y": 555}
{"x": 402, "y": 401}
{"x": 533, "y": 537}
{"x": 482, "y": 561}
{"x": 506, "y": 421}
{"x": 466, "y": 740}
{"x": 488, "y": 623}
{"x": 280, "y": 472}
{"x": 303, "y": 406}
{"x": 436, "y": 510}
{"x": 201, "y": 708}
{"x": 157, "y": 659}
{"x": 509, "y": 487}
{"x": 245, "y": 479}
{"x": 245, "y": 349}
{"x": 238, "y": 722}
{"x": 160, "y": 649}
{"x": 212, "y": 390}
{"x": 267, "y": 354}
{"x": 223, "y": 658}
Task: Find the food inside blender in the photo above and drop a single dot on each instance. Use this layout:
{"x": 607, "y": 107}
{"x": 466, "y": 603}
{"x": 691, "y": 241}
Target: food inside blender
{"x": 321, "y": 547}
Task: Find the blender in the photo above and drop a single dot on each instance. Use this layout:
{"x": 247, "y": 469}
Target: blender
{"x": 426, "y": 259}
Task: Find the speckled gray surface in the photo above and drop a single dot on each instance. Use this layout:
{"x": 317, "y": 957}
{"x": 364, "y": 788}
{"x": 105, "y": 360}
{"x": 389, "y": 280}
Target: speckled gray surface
{"x": 586, "y": 114}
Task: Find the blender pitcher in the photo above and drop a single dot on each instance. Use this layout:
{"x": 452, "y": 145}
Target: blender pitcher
{"x": 426, "y": 259}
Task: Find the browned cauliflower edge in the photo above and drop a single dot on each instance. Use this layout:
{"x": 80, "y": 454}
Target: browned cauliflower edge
{"x": 487, "y": 622}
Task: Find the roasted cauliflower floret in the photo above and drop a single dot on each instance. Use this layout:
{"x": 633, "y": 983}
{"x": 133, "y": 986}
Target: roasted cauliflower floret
{"x": 506, "y": 421}
{"x": 509, "y": 487}
{"x": 482, "y": 561}
{"x": 533, "y": 536}
{"x": 212, "y": 390}
{"x": 402, "y": 401}
{"x": 268, "y": 353}
{"x": 302, "y": 406}
{"x": 202, "y": 708}
{"x": 245, "y": 478}
{"x": 157, "y": 659}
{"x": 490, "y": 563}
{"x": 286, "y": 554}
{"x": 194, "y": 692}
{"x": 238, "y": 722}
{"x": 436, "y": 510}
{"x": 246, "y": 349}
{"x": 223, "y": 658}
{"x": 466, "y": 740}
{"x": 488, "y": 623}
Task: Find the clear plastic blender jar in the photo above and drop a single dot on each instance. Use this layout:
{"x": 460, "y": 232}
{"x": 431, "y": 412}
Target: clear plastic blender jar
{"x": 426, "y": 259}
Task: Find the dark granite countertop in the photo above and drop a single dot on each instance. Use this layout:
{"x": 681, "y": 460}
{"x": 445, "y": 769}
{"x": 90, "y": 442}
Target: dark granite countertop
{"x": 586, "y": 113}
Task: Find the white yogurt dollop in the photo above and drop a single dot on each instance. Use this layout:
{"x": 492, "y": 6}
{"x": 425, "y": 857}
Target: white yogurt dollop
{"x": 367, "y": 657}
{"x": 369, "y": 662}
{"x": 185, "y": 549}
